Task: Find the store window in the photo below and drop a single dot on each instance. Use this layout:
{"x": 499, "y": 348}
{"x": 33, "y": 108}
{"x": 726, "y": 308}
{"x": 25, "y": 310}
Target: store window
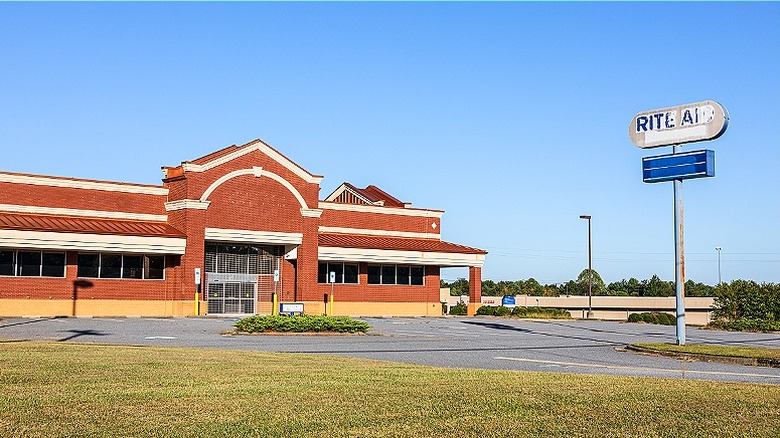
{"x": 396, "y": 274}
{"x": 99, "y": 265}
{"x": 32, "y": 263}
{"x": 346, "y": 273}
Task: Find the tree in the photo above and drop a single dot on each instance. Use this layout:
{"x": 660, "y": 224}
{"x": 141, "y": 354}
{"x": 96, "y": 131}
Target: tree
{"x": 693, "y": 289}
{"x": 459, "y": 287}
{"x": 598, "y": 284}
{"x": 655, "y": 287}
{"x": 630, "y": 287}
{"x": 490, "y": 289}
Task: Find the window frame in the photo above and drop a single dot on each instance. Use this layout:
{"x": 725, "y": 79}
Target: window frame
{"x": 145, "y": 266}
{"x": 340, "y": 274}
{"x": 409, "y": 277}
{"x": 16, "y": 266}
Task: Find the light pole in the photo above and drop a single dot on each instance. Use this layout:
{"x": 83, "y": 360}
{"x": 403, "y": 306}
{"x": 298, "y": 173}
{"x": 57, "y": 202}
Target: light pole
{"x": 719, "y": 249}
{"x": 590, "y": 269}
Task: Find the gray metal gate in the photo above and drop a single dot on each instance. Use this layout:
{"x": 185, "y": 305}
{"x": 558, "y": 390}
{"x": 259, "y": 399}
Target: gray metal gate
{"x": 231, "y": 293}
{"x": 239, "y": 277}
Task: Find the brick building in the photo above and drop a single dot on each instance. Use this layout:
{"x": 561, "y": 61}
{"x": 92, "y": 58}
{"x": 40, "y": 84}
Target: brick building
{"x": 247, "y": 217}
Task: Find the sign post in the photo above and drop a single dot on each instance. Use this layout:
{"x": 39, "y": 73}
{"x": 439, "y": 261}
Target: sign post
{"x": 674, "y": 126}
{"x": 330, "y": 299}
{"x": 275, "y": 299}
{"x": 197, "y": 291}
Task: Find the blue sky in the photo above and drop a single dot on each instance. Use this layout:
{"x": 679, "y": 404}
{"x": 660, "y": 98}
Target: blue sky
{"x": 511, "y": 117}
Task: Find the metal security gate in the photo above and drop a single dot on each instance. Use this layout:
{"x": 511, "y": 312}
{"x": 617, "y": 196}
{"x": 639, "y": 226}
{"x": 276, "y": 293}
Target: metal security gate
{"x": 231, "y": 293}
{"x": 239, "y": 277}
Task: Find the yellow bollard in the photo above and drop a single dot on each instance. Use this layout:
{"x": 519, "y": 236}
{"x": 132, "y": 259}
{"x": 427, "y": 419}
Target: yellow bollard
{"x": 331, "y": 304}
{"x": 275, "y": 304}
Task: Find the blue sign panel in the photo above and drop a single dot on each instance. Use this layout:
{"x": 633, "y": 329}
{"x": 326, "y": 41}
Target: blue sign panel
{"x": 697, "y": 164}
{"x": 508, "y": 301}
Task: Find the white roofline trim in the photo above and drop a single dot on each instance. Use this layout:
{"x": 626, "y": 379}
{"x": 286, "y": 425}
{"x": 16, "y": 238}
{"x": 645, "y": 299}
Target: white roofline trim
{"x": 342, "y": 188}
{"x": 252, "y": 236}
{"x": 386, "y": 233}
{"x": 381, "y": 210}
{"x": 32, "y": 209}
{"x": 183, "y": 204}
{"x": 265, "y": 149}
{"x": 337, "y": 254}
{"x": 79, "y": 184}
{"x": 92, "y": 242}
{"x": 257, "y": 172}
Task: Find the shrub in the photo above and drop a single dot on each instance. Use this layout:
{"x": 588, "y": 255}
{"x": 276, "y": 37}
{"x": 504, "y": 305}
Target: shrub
{"x": 503, "y": 311}
{"x": 653, "y": 318}
{"x": 299, "y": 324}
{"x": 459, "y": 309}
{"x": 746, "y": 325}
{"x": 541, "y": 313}
{"x": 487, "y": 310}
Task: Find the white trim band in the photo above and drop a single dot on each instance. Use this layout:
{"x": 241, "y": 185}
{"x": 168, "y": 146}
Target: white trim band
{"x": 80, "y": 184}
{"x": 381, "y": 210}
{"x": 251, "y": 236}
{"x": 183, "y": 204}
{"x": 263, "y": 148}
{"x": 87, "y": 213}
{"x": 335, "y": 254}
{"x": 92, "y": 242}
{"x": 386, "y": 233}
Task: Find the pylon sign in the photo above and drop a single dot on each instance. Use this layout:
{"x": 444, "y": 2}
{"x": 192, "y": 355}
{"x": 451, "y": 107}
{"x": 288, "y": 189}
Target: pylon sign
{"x": 674, "y": 126}
{"x": 680, "y": 124}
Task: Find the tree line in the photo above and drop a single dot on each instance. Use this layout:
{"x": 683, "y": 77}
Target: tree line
{"x": 652, "y": 287}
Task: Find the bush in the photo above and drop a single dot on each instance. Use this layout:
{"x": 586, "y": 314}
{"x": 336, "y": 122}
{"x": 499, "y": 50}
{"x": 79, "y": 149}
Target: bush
{"x": 300, "y": 324}
{"x": 487, "y": 310}
{"x": 746, "y": 325}
{"x": 459, "y": 309}
{"x": 503, "y": 311}
{"x": 541, "y": 313}
{"x": 653, "y": 318}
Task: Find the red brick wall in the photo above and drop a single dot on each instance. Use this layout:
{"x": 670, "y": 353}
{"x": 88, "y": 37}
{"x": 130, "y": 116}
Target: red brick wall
{"x": 82, "y": 199}
{"x": 102, "y": 288}
{"x": 364, "y": 292}
{"x": 378, "y": 221}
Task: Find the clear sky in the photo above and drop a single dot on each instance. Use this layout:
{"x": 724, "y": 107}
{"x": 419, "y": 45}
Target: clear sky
{"x": 511, "y": 117}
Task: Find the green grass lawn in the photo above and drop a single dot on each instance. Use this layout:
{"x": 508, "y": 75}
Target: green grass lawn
{"x": 717, "y": 350}
{"x": 49, "y": 389}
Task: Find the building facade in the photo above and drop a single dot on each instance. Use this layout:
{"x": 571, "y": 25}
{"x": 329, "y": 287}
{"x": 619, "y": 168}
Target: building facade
{"x": 245, "y": 222}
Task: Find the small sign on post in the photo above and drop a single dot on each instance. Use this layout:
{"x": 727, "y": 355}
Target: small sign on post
{"x": 197, "y": 276}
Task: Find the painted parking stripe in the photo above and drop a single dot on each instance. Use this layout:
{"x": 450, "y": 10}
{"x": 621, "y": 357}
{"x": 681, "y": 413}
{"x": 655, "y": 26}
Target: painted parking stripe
{"x": 620, "y": 367}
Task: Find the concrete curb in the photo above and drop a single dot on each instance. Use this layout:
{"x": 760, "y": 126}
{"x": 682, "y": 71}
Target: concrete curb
{"x": 760, "y": 362}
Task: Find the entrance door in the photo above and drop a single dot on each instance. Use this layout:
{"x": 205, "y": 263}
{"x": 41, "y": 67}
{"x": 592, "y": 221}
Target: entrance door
{"x": 231, "y": 293}
{"x": 239, "y": 277}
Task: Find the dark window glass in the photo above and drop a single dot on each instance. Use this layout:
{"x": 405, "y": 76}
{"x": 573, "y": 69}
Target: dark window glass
{"x": 53, "y": 264}
{"x": 418, "y": 275}
{"x": 211, "y": 258}
{"x": 88, "y": 265}
{"x": 155, "y": 267}
{"x": 7, "y": 262}
{"x": 388, "y": 274}
{"x": 402, "y": 276}
{"x": 29, "y": 263}
{"x": 322, "y": 273}
{"x": 132, "y": 266}
{"x": 111, "y": 266}
{"x": 338, "y": 268}
{"x": 351, "y": 274}
{"x": 374, "y": 274}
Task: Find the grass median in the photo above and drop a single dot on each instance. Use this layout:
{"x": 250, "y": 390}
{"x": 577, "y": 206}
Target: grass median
{"x": 49, "y": 389}
{"x": 726, "y": 351}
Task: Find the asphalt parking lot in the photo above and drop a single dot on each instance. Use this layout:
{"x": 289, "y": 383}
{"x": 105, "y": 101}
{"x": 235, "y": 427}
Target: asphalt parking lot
{"x": 586, "y": 347}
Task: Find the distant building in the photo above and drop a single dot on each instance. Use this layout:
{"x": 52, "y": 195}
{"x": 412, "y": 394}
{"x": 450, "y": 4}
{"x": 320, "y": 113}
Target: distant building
{"x": 247, "y": 217}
